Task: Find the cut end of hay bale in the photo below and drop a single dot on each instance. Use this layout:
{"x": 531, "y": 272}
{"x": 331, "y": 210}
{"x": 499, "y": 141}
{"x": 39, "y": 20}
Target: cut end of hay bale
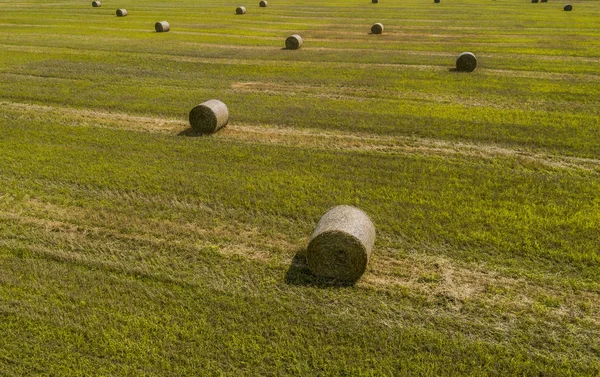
{"x": 374, "y": 1}
{"x": 263, "y": 4}
{"x": 240, "y": 10}
{"x": 466, "y": 62}
{"x": 293, "y": 42}
{"x": 535, "y": 1}
{"x": 377, "y": 28}
{"x": 341, "y": 245}
{"x": 209, "y": 116}
{"x": 96, "y": 4}
{"x": 436, "y": 1}
{"x": 568, "y": 7}
{"x": 121, "y": 12}
{"x": 162, "y": 27}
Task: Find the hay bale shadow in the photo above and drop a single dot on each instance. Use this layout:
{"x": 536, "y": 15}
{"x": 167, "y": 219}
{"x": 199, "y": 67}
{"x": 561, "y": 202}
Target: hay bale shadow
{"x": 299, "y": 274}
{"x": 453, "y": 70}
{"x": 190, "y": 132}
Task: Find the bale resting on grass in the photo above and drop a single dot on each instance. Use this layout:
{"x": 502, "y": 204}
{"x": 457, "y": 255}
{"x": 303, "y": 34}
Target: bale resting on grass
{"x": 121, "y": 12}
{"x": 240, "y": 10}
{"x": 341, "y": 245}
{"x": 568, "y": 7}
{"x": 263, "y": 4}
{"x": 162, "y": 27}
{"x": 209, "y": 116}
{"x": 293, "y": 42}
{"x": 377, "y": 28}
{"x": 466, "y": 62}
{"x": 436, "y": 1}
{"x": 374, "y": 1}
{"x": 96, "y": 4}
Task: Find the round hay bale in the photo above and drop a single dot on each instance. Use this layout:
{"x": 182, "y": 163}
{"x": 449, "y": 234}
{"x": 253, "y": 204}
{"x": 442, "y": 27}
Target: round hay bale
{"x": 466, "y": 62}
{"x": 293, "y": 42}
{"x": 568, "y": 7}
{"x": 162, "y": 27}
{"x": 543, "y": 1}
{"x": 240, "y": 10}
{"x": 535, "y": 1}
{"x": 436, "y": 1}
{"x": 374, "y": 1}
{"x": 209, "y": 116}
{"x": 263, "y": 4}
{"x": 121, "y": 12}
{"x": 96, "y": 4}
{"x": 341, "y": 245}
{"x": 377, "y": 28}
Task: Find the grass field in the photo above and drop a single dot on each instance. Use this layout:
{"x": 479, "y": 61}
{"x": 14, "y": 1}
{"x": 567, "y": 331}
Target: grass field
{"x": 129, "y": 247}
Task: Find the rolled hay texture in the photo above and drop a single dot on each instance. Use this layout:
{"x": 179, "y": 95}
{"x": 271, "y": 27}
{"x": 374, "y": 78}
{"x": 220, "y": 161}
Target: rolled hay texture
{"x": 162, "y": 27}
{"x": 377, "y": 28}
{"x": 466, "y": 62}
{"x": 209, "y": 116}
{"x": 374, "y": 1}
{"x": 568, "y": 7}
{"x": 263, "y": 4}
{"x": 535, "y": 1}
{"x": 240, "y": 10}
{"x": 121, "y": 12}
{"x": 293, "y": 42}
{"x": 96, "y": 4}
{"x": 341, "y": 245}
{"x": 436, "y": 1}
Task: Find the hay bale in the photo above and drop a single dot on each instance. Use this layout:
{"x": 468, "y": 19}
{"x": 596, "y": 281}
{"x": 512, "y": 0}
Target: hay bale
{"x": 162, "y": 27}
{"x": 263, "y": 4}
{"x": 209, "y": 116}
{"x": 374, "y": 1}
{"x": 240, "y": 10}
{"x": 121, "y": 12}
{"x": 543, "y": 1}
{"x": 568, "y": 7}
{"x": 293, "y": 42}
{"x": 534, "y": 1}
{"x": 96, "y": 4}
{"x": 436, "y": 1}
{"x": 341, "y": 245}
{"x": 377, "y": 28}
{"x": 466, "y": 62}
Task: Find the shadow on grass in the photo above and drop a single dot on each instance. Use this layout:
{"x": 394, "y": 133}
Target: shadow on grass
{"x": 190, "y": 132}
{"x": 299, "y": 274}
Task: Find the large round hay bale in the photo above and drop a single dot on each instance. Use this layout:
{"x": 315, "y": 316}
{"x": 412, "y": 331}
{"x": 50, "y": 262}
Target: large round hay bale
{"x": 543, "y": 1}
{"x": 535, "y": 1}
{"x": 377, "y": 28}
{"x": 568, "y": 7}
{"x": 293, "y": 42}
{"x": 96, "y": 4}
{"x": 341, "y": 245}
{"x": 162, "y": 27}
{"x": 466, "y": 62}
{"x": 374, "y": 1}
{"x": 209, "y": 116}
{"x": 240, "y": 10}
{"x": 436, "y": 1}
{"x": 263, "y": 4}
{"x": 121, "y": 12}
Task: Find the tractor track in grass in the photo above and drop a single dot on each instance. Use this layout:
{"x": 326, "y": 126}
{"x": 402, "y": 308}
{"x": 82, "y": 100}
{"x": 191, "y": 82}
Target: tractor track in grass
{"x": 303, "y": 138}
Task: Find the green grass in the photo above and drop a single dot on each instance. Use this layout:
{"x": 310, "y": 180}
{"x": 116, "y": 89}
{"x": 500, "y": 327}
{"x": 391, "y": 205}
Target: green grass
{"x": 128, "y": 248}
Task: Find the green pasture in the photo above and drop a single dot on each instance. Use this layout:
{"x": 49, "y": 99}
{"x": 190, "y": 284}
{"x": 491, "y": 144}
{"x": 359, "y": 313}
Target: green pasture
{"x": 129, "y": 246}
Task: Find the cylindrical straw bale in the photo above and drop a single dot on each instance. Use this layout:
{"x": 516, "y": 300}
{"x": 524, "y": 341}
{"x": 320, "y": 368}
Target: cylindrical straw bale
{"x": 341, "y": 245}
{"x": 293, "y": 42}
{"x": 377, "y": 28}
{"x": 466, "y": 62}
{"x": 436, "y": 1}
{"x": 121, "y": 12}
{"x": 162, "y": 27}
{"x": 209, "y": 116}
{"x": 543, "y": 1}
{"x": 535, "y": 1}
{"x": 568, "y": 7}
{"x": 263, "y": 4}
{"x": 96, "y": 4}
{"x": 240, "y": 10}
{"x": 374, "y": 1}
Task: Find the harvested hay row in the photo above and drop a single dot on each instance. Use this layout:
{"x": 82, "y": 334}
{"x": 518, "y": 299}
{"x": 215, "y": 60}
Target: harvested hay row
{"x": 240, "y": 10}
{"x": 293, "y": 42}
{"x": 568, "y": 8}
{"x": 162, "y": 27}
{"x": 466, "y": 62}
{"x": 341, "y": 245}
{"x": 96, "y": 4}
{"x": 121, "y": 12}
{"x": 263, "y": 4}
{"x": 377, "y": 28}
{"x": 209, "y": 116}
